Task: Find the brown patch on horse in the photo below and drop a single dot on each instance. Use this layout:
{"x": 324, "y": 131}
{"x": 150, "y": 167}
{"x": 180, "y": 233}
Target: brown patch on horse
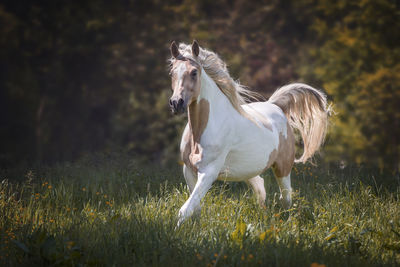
{"x": 198, "y": 114}
{"x": 272, "y": 157}
{"x": 282, "y": 159}
{"x": 286, "y": 154}
{"x": 198, "y": 118}
{"x": 186, "y": 150}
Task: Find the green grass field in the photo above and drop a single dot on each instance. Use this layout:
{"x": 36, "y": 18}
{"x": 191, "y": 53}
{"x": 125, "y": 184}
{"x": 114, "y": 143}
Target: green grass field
{"x": 113, "y": 212}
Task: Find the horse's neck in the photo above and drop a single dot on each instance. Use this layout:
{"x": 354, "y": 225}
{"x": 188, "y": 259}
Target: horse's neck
{"x": 211, "y": 106}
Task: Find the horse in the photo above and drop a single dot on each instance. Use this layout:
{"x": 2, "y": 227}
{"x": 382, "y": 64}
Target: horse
{"x": 229, "y": 139}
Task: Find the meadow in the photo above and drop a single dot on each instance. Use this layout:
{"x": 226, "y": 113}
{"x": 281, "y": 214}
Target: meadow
{"x": 113, "y": 211}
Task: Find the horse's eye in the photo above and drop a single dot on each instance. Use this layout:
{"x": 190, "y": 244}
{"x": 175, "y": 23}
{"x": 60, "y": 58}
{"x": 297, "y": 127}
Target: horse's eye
{"x": 193, "y": 73}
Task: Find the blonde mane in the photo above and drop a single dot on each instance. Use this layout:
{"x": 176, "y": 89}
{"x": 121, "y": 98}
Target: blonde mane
{"x": 218, "y": 72}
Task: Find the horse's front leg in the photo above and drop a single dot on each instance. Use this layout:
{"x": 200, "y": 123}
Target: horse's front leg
{"x": 204, "y": 181}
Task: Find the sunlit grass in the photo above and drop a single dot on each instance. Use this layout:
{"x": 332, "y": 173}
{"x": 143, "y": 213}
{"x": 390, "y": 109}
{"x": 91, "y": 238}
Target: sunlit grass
{"x": 124, "y": 215}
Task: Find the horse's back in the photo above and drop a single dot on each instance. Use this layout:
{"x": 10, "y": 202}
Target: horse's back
{"x": 271, "y": 114}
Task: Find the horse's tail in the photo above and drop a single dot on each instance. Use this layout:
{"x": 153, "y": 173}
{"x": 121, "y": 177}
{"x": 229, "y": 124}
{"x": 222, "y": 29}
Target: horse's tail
{"x": 307, "y": 111}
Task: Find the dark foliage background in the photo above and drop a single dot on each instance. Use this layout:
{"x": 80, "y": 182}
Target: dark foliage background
{"x": 77, "y": 78}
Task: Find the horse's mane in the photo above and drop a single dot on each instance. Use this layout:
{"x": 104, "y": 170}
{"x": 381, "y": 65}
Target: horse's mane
{"x": 217, "y": 70}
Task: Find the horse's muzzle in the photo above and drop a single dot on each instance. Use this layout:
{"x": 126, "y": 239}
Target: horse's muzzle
{"x": 177, "y": 106}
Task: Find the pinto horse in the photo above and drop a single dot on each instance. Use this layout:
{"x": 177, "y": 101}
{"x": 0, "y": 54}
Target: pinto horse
{"x": 227, "y": 139}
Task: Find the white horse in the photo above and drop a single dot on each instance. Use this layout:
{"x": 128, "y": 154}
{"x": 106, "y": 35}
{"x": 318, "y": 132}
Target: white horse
{"x": 227, "y": 139}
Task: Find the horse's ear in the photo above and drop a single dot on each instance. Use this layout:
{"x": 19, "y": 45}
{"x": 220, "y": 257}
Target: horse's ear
{"x": 174, "y": 50}
{"x": 195, "y": 48}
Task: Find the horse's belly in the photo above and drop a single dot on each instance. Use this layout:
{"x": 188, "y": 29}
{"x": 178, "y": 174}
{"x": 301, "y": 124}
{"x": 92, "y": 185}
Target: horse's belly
{"x": 241, "y": 165}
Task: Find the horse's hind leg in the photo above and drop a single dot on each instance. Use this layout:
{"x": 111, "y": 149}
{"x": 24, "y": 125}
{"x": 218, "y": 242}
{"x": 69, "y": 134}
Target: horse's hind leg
{"x": 286, "y": 190}
{"x": 283, "y": 166}
{"x": 257, "y": 183}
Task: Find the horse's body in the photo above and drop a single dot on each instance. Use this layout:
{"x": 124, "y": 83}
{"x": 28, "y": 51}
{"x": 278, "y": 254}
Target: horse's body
{"x": 228, "y": 140}
{"x": 248, "y": 146}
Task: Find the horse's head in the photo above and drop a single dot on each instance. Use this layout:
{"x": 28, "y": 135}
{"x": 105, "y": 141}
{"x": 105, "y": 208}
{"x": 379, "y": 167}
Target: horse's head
{"x": 185, "y": 75}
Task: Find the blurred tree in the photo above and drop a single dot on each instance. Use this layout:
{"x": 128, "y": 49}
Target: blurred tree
{"x": 70, "y": 72}
{"x": 54, "y": 100}
{"x": 357, "y": 60}
{"x": 90, "y": 76}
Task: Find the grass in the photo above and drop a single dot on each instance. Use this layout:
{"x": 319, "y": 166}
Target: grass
{"x": 106, "y": 212}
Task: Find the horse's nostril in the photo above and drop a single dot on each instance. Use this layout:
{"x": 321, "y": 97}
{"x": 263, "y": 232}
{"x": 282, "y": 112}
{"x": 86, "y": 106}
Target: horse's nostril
{"x": 179, "y": 106}
{"x": 176, "y": 105}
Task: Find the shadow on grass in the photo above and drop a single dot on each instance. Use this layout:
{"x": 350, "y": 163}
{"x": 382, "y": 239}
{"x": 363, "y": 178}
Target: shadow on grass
{"x": 139, "y": 242}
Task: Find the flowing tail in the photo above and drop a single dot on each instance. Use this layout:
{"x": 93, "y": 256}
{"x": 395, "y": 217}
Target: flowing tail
{"x": 307, "y": 111}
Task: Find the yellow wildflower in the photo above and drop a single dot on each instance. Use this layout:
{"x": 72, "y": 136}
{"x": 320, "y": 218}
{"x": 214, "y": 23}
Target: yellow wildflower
{"x": 262, "y": 236}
